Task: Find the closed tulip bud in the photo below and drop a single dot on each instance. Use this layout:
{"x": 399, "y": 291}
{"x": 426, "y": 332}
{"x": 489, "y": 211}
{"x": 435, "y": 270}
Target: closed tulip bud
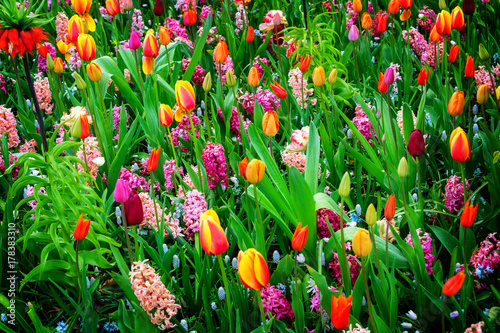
{"x": 230, "y": 78}
{"x": 456, "y": 103}
{"x": 135, "y": 40}
{"x": 164, "y": 36}
{"x": 112, "y": 7}
{"x": 483, "y": 53}
{"x": 128, "y": 4}
{"x": 469, "y": 6}
{"x": 403, "y": 168}
{"x": 82, "y": 228}
{"x": 454, "y": 284}
{"x": 184, "y": 96}
{"x": 86, "y": 47}
{"x": 134, "y": 212}
{"x": 213, "y": 240}
{"x": 153, "y": 159}
{"x": 242, "y": 166}
{"x": 150, "y": 45}
{"x": 58, "y": 65}
{"x": 76, "y": 129}
{"x": 252, "y": 269}
{"x": 332, "y": 78}
{"x": 366, "y": 21}
{"x": 457, "y": 18}
{"x": 255, "y": 171}
{"x": 62, "y": 47}
{"x": 49, "y": 62}
{"x": 483, "y": 93}
{"x": 207, "y": 82}
{"x": 345, "y": 186}
{"x": 469, "y": 67}
{"x": 94, "y": 72}
{"x": 189, "y": 17}
{"x": 423, "y": 76}
{"x": 382, "y": 23}
{"x": 75, "y": 28}
{"x": 406, "y": 4}
{"x": 221, "y": 52}
{"x": 158, "y": 8}
{"x": 442, "y": 4}
{"x": 165, "y": 115}
{"x": 434, "y": 36}
{"x": 416, "y": 145}
{"x": 122, "y": 191}
{"x": 498, "y": 92}
{"x": 85, "y": 127}
{"x": 319, "y": 76}
{"x": 270, "y": 123}
{"x": 393, "y": 7}
{"x": 361, "y": 243}
{"x": 371, "y": 215}
{"x": 253, "y": 77}
{"x": 80, "y": 83}
{"x": 357, "y": 6}
{"x": 279, "y": 90}
{"x": 390, "y": 208}
{"x": 299, "y": 238}
{"x": 382, "y": 87}
{"x": 341, "y": 307}
{"x": 389, "y": 76}
{"x": 250, "y": 34}
{"x": 304, "y": 63}
{"x": 460, "y": 146}
{"x": 353, "y": 33}
{"x": 454, "y": 51}
{"x": 468, "y": 215}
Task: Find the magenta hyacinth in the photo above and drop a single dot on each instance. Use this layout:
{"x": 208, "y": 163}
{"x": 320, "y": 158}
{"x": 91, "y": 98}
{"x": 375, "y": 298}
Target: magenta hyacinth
{"x": 215, "y": 165}
{"x": 426, "y": 241}
{"x": 454, "y": 197}
{"x": 194, "y": 205}
{"x": 275, "y": 304}
{"x": 321, "y": 216}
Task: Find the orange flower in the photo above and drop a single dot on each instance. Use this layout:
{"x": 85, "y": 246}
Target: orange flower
{"x": 250, "y": 34}
{"x": 82, "y": 228}
{"x": 255, "y": 171}
{"x": 112, "y": 7}
{"x": 221, "y": 52}
{"x": 82, "y": 8}
{"x": 86, "y": 47}
{"x": 366, "y": 21}
{"x": 279, "y": 90}
{"x": 242, "y": 166}
{"x": 393, "y": 7}
{"x": 270, "y": 123}
{"x": 253, "y": 77}
{"x": 460, "y": 146}
{"x": 319, "y": 76}
{"x": 434, "y": 35}
{"x": 166, "y": 116}
{"x": 184, "y": 96}
{"x": 453, "y": 285}
{"x": 361, "y": 243}
{"x": 189, "y": 17}
{"x": 340, "y": 311}
{"x": 382, "y": 23}
{"x": 304, "y": 63}
{"x": 148, "y": 65}
{"x": 13, "y": 41}
{"x": 94, "y": 72}
{"x": 482, "y": 94}
{"x": 454, "y": 51}
{"x": 212, "y": 237}
{"x": 405, "y": 15}
{"x": 390, "y": 208}
{"x": 164, "y": 36}
{"x": 252, "y": 269}
{"x": 85, "y": 127}
{"x": 150, "y": 45}
{"x": 58, "y": 65}
{"x": 153, "y": 159}
{"x": 299, "y": 238}
{"x": 457, "y": 18}
{"x": 382, "y": 86}
{"x": 468, "y": 215}
{"x": 357, "y": 6}
{"x": 443, "y": 23}
{"x": 456, "y": 103}
{"x": 406, "y": 4}
{"x": 423, "y": 76}
{"x": 469, "y": 67}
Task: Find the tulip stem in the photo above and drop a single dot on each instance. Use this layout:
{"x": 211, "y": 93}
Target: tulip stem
{"x": 326, "y": 111}
{"x": 195, "y": 143}
{"x": 368, "y": 299}
{"x": 271, "y": 146}
{"x": 387, "y": 244}
{"x": 126, "y": 235}
{"x": 442, "y": 315}
{"x": 392, "y": 123}
{"x": 261, "y": 307}
{"x": 345, "y": 265}
{"x": 420, "y": 199}
{"x": 302, "y": 92}
{"x": 175, "y": 157}
{"x": 77, "y": 266}
{"x": 139, "y": 75}
{"x": 116, "y": 35}
{"x": 376, "y": 255}
{"x": 60, "y": 109}
{"x": 228, "y": 293}
{"x": 356, "y": 63}
{"x": 136, "y": 242}
{"x": 257, "y": 206}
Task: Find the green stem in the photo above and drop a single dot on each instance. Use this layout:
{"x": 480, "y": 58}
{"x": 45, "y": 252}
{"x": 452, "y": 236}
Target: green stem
{"x": 77, "y": 266}
{"x": 152, "y": 196}
{"x": 345, "y": 268}
{"x": 442, "y": 315}
{"x": 116, "y": 35}
{"x": 126, "y": 235}
{"x": 326, "y": 111}
{"x": 136, "y": 242}
{"x": 356, "y": 63}
{"x": 207, "y": 125}
{"x": 368, "y": 299}
{"x": 257, "y": 206}
{"x": 376, "y": 255}
{"x": 195, "y": 143}
{"x": 261, "y": 308}
{"x": 392, "y": 123}
{"x": 104, "y": 110}
{"x": 228, "y": 293}
{"x": 138, "y": 72}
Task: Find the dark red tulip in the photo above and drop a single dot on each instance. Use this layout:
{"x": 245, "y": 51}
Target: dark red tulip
{"x": 469, "y": 6}
{"x": 416, "y": 145}
{"x": 158, "y": 8}
{"x": 133, "y": 209}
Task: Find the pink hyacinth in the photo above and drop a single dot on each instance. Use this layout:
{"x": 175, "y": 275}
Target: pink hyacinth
{"x": 43, "y": 93}
{"x": 199, "y": 72}
{"x": 475, "y": 328}
{"x": 186, "y": 179}
{"x": 374, "y": 30}
{"x": 275, "y": 304}
{"x": 184, "y": 5}
{"x": 205, "y": 10}
{"x": 486, "y": 257}
{"x": 296, "y": 159}
{"x": 430, "y": 57}
{"x": 12, "y": 160}
{"x": 137, "y": 23}
{"x": 29, "y": 191}
{"x": 183, "y": 130}
{"x": 61, "y": 27}
{"x": 28, "y": 146}
{"x": 42, "y": 61}
{"x": 354, "y": 266}
{"x": 357, "y": 329}
{"x": 194, "y": 205}
{"x": 321, "y": 216}
{"x": 154, "y": 298}
{"x": 257, "y": 64}
{"x": 427, "y": 20}
{"x": 116, "y": 120}
{"x": 352, "y": 16}
{"x": 417, "y": 42}
{"x": 363, "y": 123}
{"x": 8, "y": 126}
{"x": 177, "y": 31}
{"x": 426, "y": 241}
{"x": 3, "y": 85}
{"x": 240, "y": 19}
{"x": 298, "y": 83}
{"x": 215, "y": 165}
{"x": 454, "y": 197}
{"x": 266, "y": 99}
{"x": 482, "y": 76}
{"x": 168, "y": 170}
{"x": 153, "y": 215}
{"x": 134, "y": 181}
{"x": 223, "y": 68}
{"x": 234, "y": 121}
{"x": 74, "y": 61}
{"x": 91, "y": 153}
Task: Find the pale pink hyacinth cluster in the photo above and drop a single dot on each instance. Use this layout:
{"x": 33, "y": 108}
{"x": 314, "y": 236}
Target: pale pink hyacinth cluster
{"x": 496, "y": 70}
{"x": 177, "y": 31}
{"x": 61, "y": 27}
{"x": 74, "y": 60}
{"x": 475, "y": 328}
{"x": 134, "y": 182}
{"x": 357, "y": 329}
{"x": 184, "y": 5}
{"x": 399, "y": 119}
{"x": 417, "y": 41}
{"x": 29, "y": 191}
{"x": 186, "y": 179}
{"x": 426, "y": 241}
{"x": 482, "y": 76}
{"x": 354, "y": 266}
{"x": 430, "y": 57}
{"x": 427, "y": 20}
{"x": 454, "y": 194}
{"x": 299, "y": 140}
{"x": 137, "y": 23}
{"x": 154, "y": 298}
{"x": 153, "y": 215}
{"x": 8, "y": 126}
{"x": 296, "y": 159}
{"x": 223, "y": 68}
{"x": 266, "y": 99}
{"x": 215, "y": 164}
{"x": 28, "y": 146}
{"x": 324, "y": 214}
{"x": 183, "y": 130}
{"x": 194, "y": 205}
{"x": 486, "y": 257}
{"x": 240, "y": 19}
{"x": 297, "y": 82}
{"x": 316, "y": 303}
{"x": 92, "y": 152}
{"x": 43, "y": 93}
{"x": 275, "y": 304}
{"x": 199, "y": 72}
{"x": 363, "y": 123}
{"x": 168, "y": 170}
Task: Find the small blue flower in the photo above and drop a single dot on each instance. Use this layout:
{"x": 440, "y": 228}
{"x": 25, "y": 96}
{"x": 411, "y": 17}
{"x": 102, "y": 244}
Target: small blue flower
{"x": 354, "y": 217}
{"x": 454, "y": 314}
{"x": 61, "y": 327}
{"x": 111, "y": 327}
{"x": 3, "y": 316}
{"x": 477, "y": 172}
{"x": 486, "y": 311}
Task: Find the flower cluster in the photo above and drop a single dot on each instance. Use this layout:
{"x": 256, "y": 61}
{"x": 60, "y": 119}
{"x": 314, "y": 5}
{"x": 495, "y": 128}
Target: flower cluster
{"x": 234, "y": 121}
{"x": 417, "y": 41}
{"x": 475, "y": 328}
{"x": 321, "y": 216}
{"x": 454, "y": 194}
{"x": 183, "y": 130}
{"x": 257, "y": 63}
{"x": 363, "y": 123}
{"x": 354, "y": 266}
{"x": 194, "y": 205}
{"x": 43, "y": 93}
{"x": 275, "y": 304}
{"x": 61, "y": 26}
{"x": 12, "y": 160}
{"x": 74, "y": 61}
{"x": 426, "y": 18}
{"x": 134, "y": 181}
{"x": 215, "y": 164}
{"x": 177, "y": 31}
{"x": 199, "y": 72}
{"x": 137, "y": 24}
{"x": 153, "y": 215}
{"x": 92, "y": 153}
{"x": 483, "y": 76}
{"x": 223, "y": 68}
{"x": 28, "y": 146}
{"x": 8, "y": 126}
{"x": 240, "y": 19}
{"x": 116, "y": 120}
{"x": 486, "y": 257}
{"x": 168, "y": 170}
{"x": 426, "y": 241}
{"x": 42, "y": 61}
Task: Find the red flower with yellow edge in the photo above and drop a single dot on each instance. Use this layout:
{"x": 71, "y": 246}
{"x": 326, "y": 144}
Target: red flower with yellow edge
{"x": 454, "y": 284}
{"x": 279, "y": 90}
{"x": 82, "y": 8}
{"x": 112, "y": 7}
{"x": 82, "y": 228}
{"x": 468, "y": 215}
{"x": 242, "y": 166}
{"x": 457, "y": 18}
{"x": 423, "y": 76}
{"x": 64, "y": 49}
{"x": 86, "y": 47}
{"x": 165, "y": 115}
{"x": 150, "y": 45}
{"x": 390, "y": 208}
{"x": 460, "y": 146}
{"x": 75, "y": 28}
{"x": 405, "y": 15}
{"x": 148, "y": 65}
{"x": 212, "y": 237}
{"x": 153, "y": 159}
{"x": 341, "y": 307}
{"x": 13, "y": 41}
{"x": 185, "y": 98}
{"x": 443, "y": 23}
{"x": 299, "y": 238}
{"x": 252, "y": 269}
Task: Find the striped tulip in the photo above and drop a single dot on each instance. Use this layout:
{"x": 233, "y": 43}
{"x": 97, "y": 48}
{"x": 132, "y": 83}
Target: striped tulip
{"x": 150, "y": 45}
{"x": 94, "y": 72}
{"x": 112, "y": 7}
{"x": 165, "y": 115}
{"x": 184, "y": 96}
{"x": 75, "y": 27}
{"x": 483, "y": 93}
{"x": 468, "y": 215}
{"x": 58, "y": 65}
{"x": 153, "y": 159}
{"x": 341, "y": 307}
{"x": 148, "y": 65}
{"x": 242, "y": 166}
{"x": 279, "y": 90}
{"x": 460, "y": 146}
{"x": 454, "y": 284}
{"x": 82, "y": 228}
{"x": 81, "y": 7}
{"x": 443, "y": 23}
{"x": 212, "y": 237}
{"x": 85, "y": 127}
{"x": 405, "y": 15}
{"x": 457, "y": 18}
{"x": 86, "y": 47}
{"x": 253, "y": 77}
{"x": 252, "y": 269}
{"x": 299, "y": 238}
{"x": 456, "y": 103}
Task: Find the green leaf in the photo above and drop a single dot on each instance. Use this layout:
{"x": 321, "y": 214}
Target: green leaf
{"x": 312, "y": 159}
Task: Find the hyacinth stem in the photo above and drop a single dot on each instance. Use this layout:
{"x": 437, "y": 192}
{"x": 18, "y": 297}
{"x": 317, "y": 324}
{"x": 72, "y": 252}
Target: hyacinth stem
{"x": 302, "y": 91}
{"x": 35, "y": 102}
{"x": 19, "y": 84}
{"x": 126, "y": 235}
{"x": 169, "y": 69}
{"x": 207, "y": 125}
{"x": 257, "y": 207}
{"x": 320, "y": 270}
{"x": 228, "y": 293}
{"x": 442, "y": 315}
{"x": 261, "y": 308}
{"x": 403, "y": 193}
{"x": 85, "y": 159}
{"x": 345, "y": 265}
{"x": 138, "y": 72}
{"x": 326, "y": 111}
{"x": 368, "y": 299}
{"x": 240, "y": 118}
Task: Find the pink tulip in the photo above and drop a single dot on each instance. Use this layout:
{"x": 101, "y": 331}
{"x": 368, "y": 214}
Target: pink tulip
{"x": 353, "y": 33}
{"x": 122, "y": 191}
{"x": 135, "y": 40}
{"x": 389, "y": 76}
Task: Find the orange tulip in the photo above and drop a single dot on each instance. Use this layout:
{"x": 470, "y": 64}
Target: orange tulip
{"x": 112, "y": 7}
{"x": 75, "y": 27}
{"x": 270, "y": 123}
{"x": 62, "y": 47}
{"x": 304, "y": 63}
{"x": 406, "y": 4}
{"x": 361, "y": 243}
{"x": 423, "y": 76}
{"x": 58, "y": 65}
{"x": 469, "y": 67}
{"x": 434, "y": 35}
{"x": 443, "y": 23}
{"x": 86, "y": 47}
{"x": 255, "y": 171}
{"x": 279, "y": 90}
{"x": 460, "y": 146}
{"x": 456, "y": 103}
{"x": 482, "y": 94}
{"x": 382, "y": 86}
{"x": 252, "y": 269}
{"x": 390, "y": 208}
{"x": 340, "y": 311}
{"x": 189, "y": 17}
{"x": 85, "y": 127}
{"x": 150, "y": 45}
{"x": 166, "y": 116}
{"x": 405, "y": 15}
{"x": 164, "y": 36}
{"x": 250, "y": 34}
{"x": 94, "y": 72}
{"x": 253, "y": 77}
{"x": 457, "y": 18}
{"x": 82, "y": 228}
{"x": 382, "y": 23}
{"x": 357, "y": 6}
{"x": 153, "y": 159}
{"x": 393, "y": 7}
{"x": 221, "y": 52}
{"x": 454, "y": 284}
{"x": 212, "y": 237}
{"x": 184, "y": 96}
{"x": 468, "y": 215}
{"x": 82, "y": 7}
{"x": 299, "y": 238}
{"x": 366, "y": 21}
{"x": 454, "y": 51}
{"x": 319, "y": 76}
{"x": 242, "y": 166}
{"x": 148, "y": 65}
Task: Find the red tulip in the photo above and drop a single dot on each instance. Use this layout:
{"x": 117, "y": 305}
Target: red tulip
{"x": 469, "y": 67}
{"x": 250, "y": 34}
{"x": 468, "y": 215}
{"x": 133, "y": 209}
{"x": 158, "y": 8}
{"x": 82, "y": 228}
{"x": 278, "y": 90}
{"x": 453, "y": 285}
{"x": 460, "y": 146}
{"x": 390, "y": 208}
{"x": 423, "y": 76}
{"x": 340, "y": 311}
{"x": 212, "y": 237}
{"x": 416, "y": 145}
{"x": 153, "y": 159}
{"x": 382, "y": 23}
{"x": 304, "y": 63}
{"x": 382, "y": 87}
{"x": 454, "y": 51}
{"x": 299, "y": 238}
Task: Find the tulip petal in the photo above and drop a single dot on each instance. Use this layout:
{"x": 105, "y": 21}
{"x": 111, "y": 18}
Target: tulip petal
{"x": 246, "y": 272}
{"x": 205, "y": 237}
{"x": 90, "y": 22}
{"x": 218, "y": 237}
{"x": 261, "y": 270}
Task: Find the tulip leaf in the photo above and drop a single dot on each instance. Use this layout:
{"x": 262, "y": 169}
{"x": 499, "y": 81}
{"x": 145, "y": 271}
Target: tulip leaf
{"x": 312, "y": 159}
{"x": 446, "y": 238}
{"x": 198, "y": 51}
{"x": 283, "y": 271}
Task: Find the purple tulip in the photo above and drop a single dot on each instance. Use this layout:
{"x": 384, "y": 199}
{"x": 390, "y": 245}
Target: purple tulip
{"x": 353, "y": 33}
{"x": 135, "y": 41}
{"x": 122, "y": 191}
{"x": 389, "y": 76}
{"x": 133, "y": 209}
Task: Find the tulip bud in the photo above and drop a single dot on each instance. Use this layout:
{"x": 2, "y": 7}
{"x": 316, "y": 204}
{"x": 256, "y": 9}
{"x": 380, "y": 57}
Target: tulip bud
{"x": 165, "y": 115}
{"x": 442, "y": 4}
{"x": 76, "y": 129}
{"x": 253, "y": 269}
{"x": 454, "y": 51}
{"x": 469, "y": 6}
{"x": 371, "y": 215}
{"x": 483, "y": 53}
{"x": 58, "y": 65}
{"x": 353, "y": 33}
{"x": 403, "y": 168}
{"x": 153, "y": 159}
{"x": 135, "y": 40}
{"x": 454, "y": 284}
{"x": 468, "y": 215}
{"x": 279, "y": 90}
{"x": 242, "y": 166}
{"x": 230, "y": 78}
{"x": 332, "y": 78}
{"x": 253, "y": 77}
{"x": 50, "y": 62}
{"x": 128, "y": 4}
{"x": 213, "y": 240}
{"x": 82, "y": 228}
{"x": 456, "y": 103}
{"x": 80, "y": 84}
{"x": 361, "y": 243}
{"x": 122, "y": 191}
{"x": 250, "y": 34}
{"x": 469, "y": 67}
{"x": 382, "y": 87}
{"x": 460, "y": 146}
{"x": 134, "y": 212}
{"x": 345, "y": 186}
{"x": 158, "y": 8}
{"x": 112, "y": 7}
{"x": 357, "y": 6}
{"x": 482, "y": 94}
{"x": 94, "y": 72}
{"x": 390, "y": 208}
{"x": 416, "y": 145}
{"x": 423, "y": 76}
{"x": 207, "y": 82}
{"x": 164, "y": 36}
{"x": 270, "y": 123}
{"x": 389, "y": 76}
{"x": 318, "y": 76}
{"x": 255, "y": 171}
{"x": 304, "y": 63}
{"x": 299, "y": 238}
{"x": 276, "y": 19}
{"x": 366, "y": 21}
